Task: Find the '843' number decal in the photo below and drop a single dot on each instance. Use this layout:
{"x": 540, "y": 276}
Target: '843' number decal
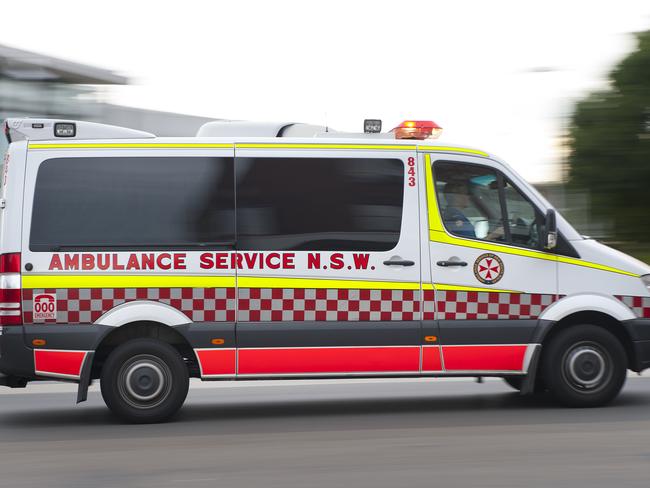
{"x": 411, "y": 170}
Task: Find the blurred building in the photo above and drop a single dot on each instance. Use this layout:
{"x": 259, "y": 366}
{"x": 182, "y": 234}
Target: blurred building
{"x": 34, "y": 85}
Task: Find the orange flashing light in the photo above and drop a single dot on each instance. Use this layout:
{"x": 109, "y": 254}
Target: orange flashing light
{"x": 417, "y": 129}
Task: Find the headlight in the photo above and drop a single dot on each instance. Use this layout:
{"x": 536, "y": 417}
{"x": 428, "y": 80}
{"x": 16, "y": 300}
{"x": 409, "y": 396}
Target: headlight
{"x": 646, "y": 281}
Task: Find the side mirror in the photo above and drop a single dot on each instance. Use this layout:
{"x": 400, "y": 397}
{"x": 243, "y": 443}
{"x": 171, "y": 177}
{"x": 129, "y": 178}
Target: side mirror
{"x": 550, "y": 234}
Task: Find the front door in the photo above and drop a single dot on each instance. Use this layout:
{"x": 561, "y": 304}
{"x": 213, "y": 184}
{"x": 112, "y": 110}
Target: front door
{"x": 329, "y": 262}
{"x": 492, "y": 279}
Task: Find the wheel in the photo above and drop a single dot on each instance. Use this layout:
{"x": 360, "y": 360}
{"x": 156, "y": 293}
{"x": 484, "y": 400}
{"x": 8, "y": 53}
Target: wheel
{"x": 514, "y": 382}
{"x": 584, "y": 366}
{"x": 144, "y": 381}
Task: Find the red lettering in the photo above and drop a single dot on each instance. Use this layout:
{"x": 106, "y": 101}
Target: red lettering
{"x": 148, "y": 261}
{"x": 55, "y": 263}
{"x": 271, "y": 264}
{"x": 71, "y": 262}
{"x": 287, "y": 260}
{"x": 313, "y": 260}
{"x": 179, "y": 261}
{"x": 336, "y": 261}
{"x": 250, "y": 258}
{"x": 235, "y": 260}
{"x": 160, "y": 260}
{"x": 361, "y": 261}
{"x": 133, "y": 262}
{"x": 205, "y": 261}
{"x": 103, "y": 261}
{"x": 116, "y": 263}
{"x": 87, "y": 261}
{"x": 221, "y": 260}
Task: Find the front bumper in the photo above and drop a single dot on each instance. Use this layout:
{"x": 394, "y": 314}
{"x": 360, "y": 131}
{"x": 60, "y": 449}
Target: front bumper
{"x": 639, "y": 332}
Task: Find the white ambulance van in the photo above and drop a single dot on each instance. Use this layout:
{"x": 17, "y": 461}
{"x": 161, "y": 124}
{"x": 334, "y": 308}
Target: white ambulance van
{"x": 286, "y": 251}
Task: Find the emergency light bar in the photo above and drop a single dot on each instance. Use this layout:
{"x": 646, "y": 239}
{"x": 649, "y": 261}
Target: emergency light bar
{"x": 417, "y": 129}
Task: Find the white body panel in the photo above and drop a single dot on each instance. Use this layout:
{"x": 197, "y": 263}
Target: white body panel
{"x": 587, "y": 302}
{"x": 143, "y": 310}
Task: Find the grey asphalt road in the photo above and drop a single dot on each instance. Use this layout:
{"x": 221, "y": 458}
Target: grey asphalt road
{"x": 333, "y": 434}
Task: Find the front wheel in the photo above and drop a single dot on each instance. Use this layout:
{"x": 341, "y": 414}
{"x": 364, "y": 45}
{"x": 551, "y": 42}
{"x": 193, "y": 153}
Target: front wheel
{"x": 144, "y": 381}
{"x": 584, "y": 366}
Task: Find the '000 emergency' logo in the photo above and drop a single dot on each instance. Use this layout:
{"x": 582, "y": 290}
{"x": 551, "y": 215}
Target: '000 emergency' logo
{"x": 45, "y": 307}
{"x": 488, "y": 268}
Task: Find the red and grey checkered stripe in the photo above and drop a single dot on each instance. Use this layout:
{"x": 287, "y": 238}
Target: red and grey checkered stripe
{"x": 297, "y": 304}
{"x": 477, "y": 305}
{"x": 86, "y": 305}
{"x": 639, "y": 305}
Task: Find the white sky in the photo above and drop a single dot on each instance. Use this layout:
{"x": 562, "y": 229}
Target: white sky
{"x": 472, "y": 66}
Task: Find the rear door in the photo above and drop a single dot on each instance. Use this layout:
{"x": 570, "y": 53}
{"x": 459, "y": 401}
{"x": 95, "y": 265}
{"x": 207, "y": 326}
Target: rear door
{"x": 328, "y": 260}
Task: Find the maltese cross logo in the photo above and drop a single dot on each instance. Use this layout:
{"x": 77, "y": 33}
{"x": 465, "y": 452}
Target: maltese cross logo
{"x": 488, "y": 268}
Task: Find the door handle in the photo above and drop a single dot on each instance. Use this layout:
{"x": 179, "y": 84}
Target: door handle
{"x": 446, "y": 264}
{"x": 399, "y": 262}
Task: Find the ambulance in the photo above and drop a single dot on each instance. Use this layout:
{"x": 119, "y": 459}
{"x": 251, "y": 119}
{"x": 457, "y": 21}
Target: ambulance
{"x": 278, "y": 250}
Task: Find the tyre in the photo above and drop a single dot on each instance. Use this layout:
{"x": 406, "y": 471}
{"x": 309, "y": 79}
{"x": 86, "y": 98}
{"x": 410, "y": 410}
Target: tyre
{"x": 144, "y": 381}
{"x": 515, "y": 382}
{"x": 584, "y": 366}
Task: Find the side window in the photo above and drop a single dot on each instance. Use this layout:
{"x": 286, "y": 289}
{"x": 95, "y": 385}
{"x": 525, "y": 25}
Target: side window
{"x": 480, "y": 203}
{"x": 334, "y": 204}
{"x": 86, "y": 203}
{"x": 524, "y": 220}
{"x": 468, "y": 198}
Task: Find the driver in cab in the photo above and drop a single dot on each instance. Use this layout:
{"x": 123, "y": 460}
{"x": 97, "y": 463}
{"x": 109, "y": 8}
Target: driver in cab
{"x": 458, "y": 199}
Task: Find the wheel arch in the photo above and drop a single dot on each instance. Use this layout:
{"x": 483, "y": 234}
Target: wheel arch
{"x": 591, "y": 317}
{"x": 144, "y": 329}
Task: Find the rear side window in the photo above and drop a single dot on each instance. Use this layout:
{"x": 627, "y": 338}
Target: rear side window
{"x": 334, "y": 204}
{"x": 86, "y": 203}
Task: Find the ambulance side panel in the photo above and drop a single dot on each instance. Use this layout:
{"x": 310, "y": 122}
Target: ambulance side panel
{"x": 80, "y": 292}
{"x": 335, "y": 304}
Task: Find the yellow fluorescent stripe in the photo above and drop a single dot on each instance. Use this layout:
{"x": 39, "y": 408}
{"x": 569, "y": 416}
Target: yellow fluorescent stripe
{"x": 122, "y": 145}
{"x": 393, "y": 147}
{"x": 453, "y": 149}
{"x": 432, "y": 205}
{"x": 261, "y": 282}
{"x": 439, "y": 286}
{"x": 443, "y": 237}
{"x": 127, "y": 281}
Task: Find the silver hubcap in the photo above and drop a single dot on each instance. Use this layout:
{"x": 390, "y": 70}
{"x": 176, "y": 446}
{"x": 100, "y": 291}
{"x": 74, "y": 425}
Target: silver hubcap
{"x": 144, "y": 381}
{"x": 586, "y": 367}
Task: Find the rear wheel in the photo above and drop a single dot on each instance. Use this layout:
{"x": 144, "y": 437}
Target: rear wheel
{"x": 584, "y": 366}
{"x": 144, "y": 381}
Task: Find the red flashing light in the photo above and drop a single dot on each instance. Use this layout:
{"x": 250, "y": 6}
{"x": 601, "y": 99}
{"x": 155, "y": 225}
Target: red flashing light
{"x": 417, "y": 129}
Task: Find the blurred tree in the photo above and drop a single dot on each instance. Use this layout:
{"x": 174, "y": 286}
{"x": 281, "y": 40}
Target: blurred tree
{"x": 610, "y": 147}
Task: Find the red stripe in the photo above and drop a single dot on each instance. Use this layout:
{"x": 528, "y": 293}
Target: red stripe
{"x": 59, "y": 362}
{"x": 484, "y": 358}
{"x": 217, "y": 361}
{"x": 431, "y": 358}
{"x": 329, "y": 360}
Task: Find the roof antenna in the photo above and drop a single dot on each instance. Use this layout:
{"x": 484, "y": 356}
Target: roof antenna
{"x": 327, "y": 129}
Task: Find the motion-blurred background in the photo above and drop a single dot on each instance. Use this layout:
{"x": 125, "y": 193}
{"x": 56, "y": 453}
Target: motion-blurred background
{"x": 561, "y": 90}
